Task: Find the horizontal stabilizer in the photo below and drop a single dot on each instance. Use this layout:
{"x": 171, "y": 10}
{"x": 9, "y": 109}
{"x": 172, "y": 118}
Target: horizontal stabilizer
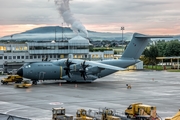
{"x": 137, "y": 35}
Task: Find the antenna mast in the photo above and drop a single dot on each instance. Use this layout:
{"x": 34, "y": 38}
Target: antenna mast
{"x": 62, "y": 31}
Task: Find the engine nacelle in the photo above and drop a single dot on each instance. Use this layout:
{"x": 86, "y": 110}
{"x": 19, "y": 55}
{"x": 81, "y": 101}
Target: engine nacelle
{"x": 93, "y": 70}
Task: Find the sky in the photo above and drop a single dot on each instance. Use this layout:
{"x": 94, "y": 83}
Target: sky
{"x": 143, "y": 16}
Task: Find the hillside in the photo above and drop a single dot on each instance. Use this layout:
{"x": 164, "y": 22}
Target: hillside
{"x": 48, "y": 33}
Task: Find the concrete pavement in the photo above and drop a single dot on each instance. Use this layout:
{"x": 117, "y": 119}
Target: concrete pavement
{"x": 157, "y": 88}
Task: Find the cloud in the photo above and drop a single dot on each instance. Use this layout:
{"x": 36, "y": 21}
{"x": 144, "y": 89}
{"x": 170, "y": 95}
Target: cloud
{"x": 135, "y": 15}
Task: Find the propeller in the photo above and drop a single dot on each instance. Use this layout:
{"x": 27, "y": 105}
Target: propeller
{"x": 83, "y": 70}
{"x": 67, "y": 68}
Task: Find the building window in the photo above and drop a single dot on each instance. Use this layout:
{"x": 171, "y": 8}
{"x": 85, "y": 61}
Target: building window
{"x": 35, "y": 57}
{"x": 5, "y": 57}
{"x": 25, "y": 48}
{"x": 22, "y": 57}
{"x": 27, "y": 57}
{"x": 31, "y": 57}
{"x": 5, "y": 48}
{"x": 14, "y": 57}
{"x": 61, "y": 56}
{"x": 18, "y": 57}
{"x": 17, "y": 48}
{"x": 39, "y": 56}
{"x": 10, "y": 57}
{"x": 1, "y": 57}
{"x": 54, "y": 56}
{"x": 1, "y": 47}
{"x": 50, "y": 56}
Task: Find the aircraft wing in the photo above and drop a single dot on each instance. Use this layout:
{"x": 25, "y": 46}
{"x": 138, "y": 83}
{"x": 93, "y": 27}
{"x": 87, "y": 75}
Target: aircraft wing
{"x": 104, "y": 66}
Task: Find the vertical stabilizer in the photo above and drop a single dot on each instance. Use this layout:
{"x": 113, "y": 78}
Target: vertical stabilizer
{"x": 138, "y": 44}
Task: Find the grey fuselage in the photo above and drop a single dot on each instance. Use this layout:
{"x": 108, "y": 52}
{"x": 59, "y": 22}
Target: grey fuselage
{"x": 55, "y": 70}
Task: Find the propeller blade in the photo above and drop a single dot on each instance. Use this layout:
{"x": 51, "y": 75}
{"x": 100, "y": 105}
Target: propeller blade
{"x": 83, "y": 70}
{"x": 67, "y": 68}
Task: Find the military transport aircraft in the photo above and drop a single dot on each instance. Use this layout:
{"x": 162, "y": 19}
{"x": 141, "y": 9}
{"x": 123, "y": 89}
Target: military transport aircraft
{"x": 77, "y": 70}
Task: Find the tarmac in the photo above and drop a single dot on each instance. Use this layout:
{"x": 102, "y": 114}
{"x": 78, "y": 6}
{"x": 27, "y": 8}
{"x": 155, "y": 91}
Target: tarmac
{"x": 156, "y": 88}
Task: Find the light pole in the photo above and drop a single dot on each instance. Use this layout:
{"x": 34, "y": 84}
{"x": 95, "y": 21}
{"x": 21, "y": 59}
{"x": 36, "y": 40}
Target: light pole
{"x": 122, "y": 28}
{"x": 55, "y": 33}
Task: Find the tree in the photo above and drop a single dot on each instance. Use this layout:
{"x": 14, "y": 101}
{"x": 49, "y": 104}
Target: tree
{"x": 151, "y": 54}
{"x": 161, "y": 45}
{"x": 172, "y": 48}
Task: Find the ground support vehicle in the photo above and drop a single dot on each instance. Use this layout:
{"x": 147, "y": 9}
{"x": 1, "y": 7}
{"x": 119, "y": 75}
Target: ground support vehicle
{"x": 12, "y": 78}
{"x": 141, "y": 111}
{"x": 103, "y": 114}
{"x": 175, "y": 117}
{"x": 23, "y": 84}
{"x": 81, "y": 115}
{"x": 59, "y": 114}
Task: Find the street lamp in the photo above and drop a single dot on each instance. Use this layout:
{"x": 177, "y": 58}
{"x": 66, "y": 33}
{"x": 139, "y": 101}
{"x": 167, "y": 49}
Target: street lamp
{"x": 122, "y": 28}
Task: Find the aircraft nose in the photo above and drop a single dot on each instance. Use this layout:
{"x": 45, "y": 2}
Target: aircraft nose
{"x": 20, "y": 72}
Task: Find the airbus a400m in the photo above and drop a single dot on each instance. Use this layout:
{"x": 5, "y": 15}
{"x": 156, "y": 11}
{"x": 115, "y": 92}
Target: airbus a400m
{"x": 77, "y": 70}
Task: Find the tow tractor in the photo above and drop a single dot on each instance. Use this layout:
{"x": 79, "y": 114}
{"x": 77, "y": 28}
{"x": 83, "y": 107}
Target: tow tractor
{"x": 81, "y": 115}
{"x": 12, "y": 78}
{"x": 141, "y": 111}
{"x": 59, "y": 114}
{"x": 23, "y": 84}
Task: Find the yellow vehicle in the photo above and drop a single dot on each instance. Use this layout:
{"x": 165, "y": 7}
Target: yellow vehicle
{"x": 175, "y": 117}
{"x": 108, "y": 115}
{"x": 103, "y": 114}
{"x": 59, "y": 114}
{"x": 23, "y": 84}
{"x": 81, "y": 115}
{"x": 141, "y": 111}
{"x": 12, "y": 78}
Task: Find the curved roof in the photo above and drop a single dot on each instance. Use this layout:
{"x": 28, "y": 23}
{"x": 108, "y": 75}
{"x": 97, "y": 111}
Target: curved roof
{"x": 79, "y": 39}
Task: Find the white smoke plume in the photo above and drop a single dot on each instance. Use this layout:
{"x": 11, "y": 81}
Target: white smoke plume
{"x": 65, "y": 12}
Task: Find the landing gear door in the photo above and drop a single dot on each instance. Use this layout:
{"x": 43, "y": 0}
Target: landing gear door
{"x": 41, "y": 75}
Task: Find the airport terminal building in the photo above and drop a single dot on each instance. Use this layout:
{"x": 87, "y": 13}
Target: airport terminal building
{"x": 15, "y": 54}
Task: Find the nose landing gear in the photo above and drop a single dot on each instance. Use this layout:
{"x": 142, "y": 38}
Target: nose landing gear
{"x": 34, "y": 82}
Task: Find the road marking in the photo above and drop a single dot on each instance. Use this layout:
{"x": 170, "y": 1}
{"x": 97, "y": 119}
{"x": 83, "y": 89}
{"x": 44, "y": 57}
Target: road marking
{"x": 56, "y": 103}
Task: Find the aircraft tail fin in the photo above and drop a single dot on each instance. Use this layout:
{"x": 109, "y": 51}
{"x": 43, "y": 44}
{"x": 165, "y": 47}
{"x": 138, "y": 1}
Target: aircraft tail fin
{"x": 137, "y": 45}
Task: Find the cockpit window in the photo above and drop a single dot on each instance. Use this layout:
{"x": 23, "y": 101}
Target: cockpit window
{"x": 27, "y": 66}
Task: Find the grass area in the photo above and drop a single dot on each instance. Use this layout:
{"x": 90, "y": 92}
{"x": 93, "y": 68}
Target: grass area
{"x": 173, "y": 70}
{"x": 156, "y": 67}
{"x": 160, "y": 67}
